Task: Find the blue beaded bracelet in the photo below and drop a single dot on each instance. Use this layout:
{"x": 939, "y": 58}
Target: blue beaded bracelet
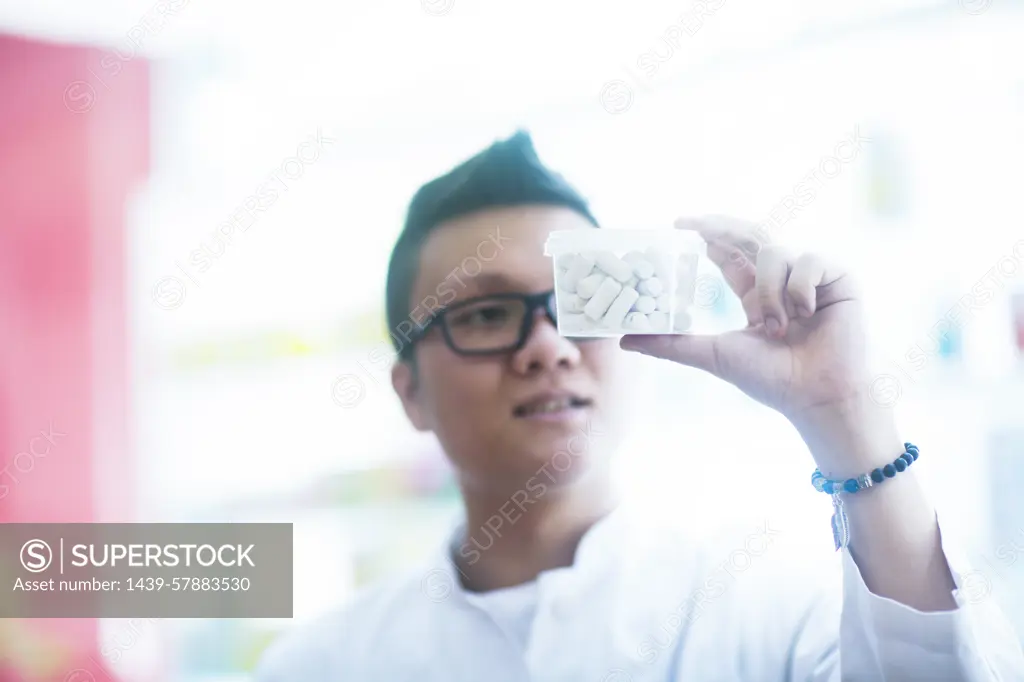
{"x": 840, "y": 524}
{"x": 864, "y": 481}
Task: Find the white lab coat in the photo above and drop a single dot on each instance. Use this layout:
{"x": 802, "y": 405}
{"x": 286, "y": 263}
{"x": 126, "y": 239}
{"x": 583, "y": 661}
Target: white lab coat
{"x": 641, "y": 604}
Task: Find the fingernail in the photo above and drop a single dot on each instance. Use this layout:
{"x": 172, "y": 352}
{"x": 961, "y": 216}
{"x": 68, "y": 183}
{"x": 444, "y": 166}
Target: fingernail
{"x": 772, "y": 325}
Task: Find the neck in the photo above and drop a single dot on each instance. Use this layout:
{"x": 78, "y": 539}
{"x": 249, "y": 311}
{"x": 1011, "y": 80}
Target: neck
{"x": 510, "y": 537}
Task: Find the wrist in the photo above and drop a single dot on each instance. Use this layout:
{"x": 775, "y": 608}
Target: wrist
{"x": 851, "y": 437}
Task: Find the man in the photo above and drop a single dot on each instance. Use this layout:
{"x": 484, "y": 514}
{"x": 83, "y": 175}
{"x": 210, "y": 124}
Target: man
{"x": 573, "y": 589}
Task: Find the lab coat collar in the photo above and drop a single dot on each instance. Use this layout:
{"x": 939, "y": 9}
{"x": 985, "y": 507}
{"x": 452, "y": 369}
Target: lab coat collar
{"x": 592, "y": 555}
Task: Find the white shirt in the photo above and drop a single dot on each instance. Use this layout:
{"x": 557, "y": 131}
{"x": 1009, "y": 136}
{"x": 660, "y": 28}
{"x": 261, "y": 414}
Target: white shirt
{"x": 640, "y": 604}
{"x": 512, "y": 609}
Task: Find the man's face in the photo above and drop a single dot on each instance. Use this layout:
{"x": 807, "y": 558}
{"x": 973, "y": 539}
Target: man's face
{"x": 549, "y": 410}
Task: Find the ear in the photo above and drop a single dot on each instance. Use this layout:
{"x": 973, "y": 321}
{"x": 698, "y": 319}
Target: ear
{"x": 405, "y": 383}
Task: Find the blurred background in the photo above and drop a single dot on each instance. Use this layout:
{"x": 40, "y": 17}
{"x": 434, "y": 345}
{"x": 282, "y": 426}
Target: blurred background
{"x": 198, "y": 199}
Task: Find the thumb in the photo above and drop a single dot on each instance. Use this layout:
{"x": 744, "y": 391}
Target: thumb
{"x": 714, "y": 353}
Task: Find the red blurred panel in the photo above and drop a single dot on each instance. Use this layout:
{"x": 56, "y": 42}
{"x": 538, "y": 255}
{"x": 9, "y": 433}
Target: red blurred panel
{"x": 72, "y": 148}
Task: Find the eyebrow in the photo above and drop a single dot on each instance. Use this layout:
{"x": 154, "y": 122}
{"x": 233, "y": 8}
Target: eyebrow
{"x": 485, "y": 279}
{"x": 483, "y": 285}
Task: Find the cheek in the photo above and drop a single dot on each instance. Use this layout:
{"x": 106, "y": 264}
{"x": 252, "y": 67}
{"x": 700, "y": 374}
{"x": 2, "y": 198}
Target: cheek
{"x": 460, "y": 386}
{"x": 602, "y": 360}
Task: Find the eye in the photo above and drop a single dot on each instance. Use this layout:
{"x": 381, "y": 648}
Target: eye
{"x": 485, "y": 314}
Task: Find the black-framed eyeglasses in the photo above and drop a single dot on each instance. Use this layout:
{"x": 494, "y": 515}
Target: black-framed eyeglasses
{"x": 487, "y": 325}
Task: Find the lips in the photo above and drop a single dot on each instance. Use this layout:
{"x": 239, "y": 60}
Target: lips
{"x": 551, "y": 403}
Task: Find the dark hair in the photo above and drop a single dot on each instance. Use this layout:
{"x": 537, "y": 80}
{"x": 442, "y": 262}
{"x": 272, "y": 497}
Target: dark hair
{"x": 508, "y": 173}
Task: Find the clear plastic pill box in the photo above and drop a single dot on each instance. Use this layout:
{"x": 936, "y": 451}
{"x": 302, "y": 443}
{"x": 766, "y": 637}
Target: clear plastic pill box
{"x": 612, "y": 282}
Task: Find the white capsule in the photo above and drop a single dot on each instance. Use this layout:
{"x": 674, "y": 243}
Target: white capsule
{"x": 589, "y": 285}
{"x": 620, "y": 306}
{"x": 602, "y": 299}
{"x": 642, "y": 268}
{"x": 682, "y": 321}
{"x": 645, "y": 304}
{"x": 614, "y": 266}
{"x": 580, "y": 268}
{"x": 631, "y": 283}
{"x": 637, "y": 322}
{"x": 659, "y": 321}
{"x": 571, "y": 323}
{"x": 564, "y": 283}
{"x": 564, "y": 261}
{"x": 664, "y": 303}
{"x": 569, "y": 303}
{"x": 660, "y": 261}
{"x": 651, "y": 287}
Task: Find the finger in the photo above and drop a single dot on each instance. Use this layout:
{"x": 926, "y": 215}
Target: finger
{"x": 752, "y": 308}
{"x": 739, "y": 271}
{"x": 741, "y": 274}
{"x": 691, "y": 350}
{"x": 772, "y": 274}
{"x": 745, "y": 236}
{"x": 835, "y": 286}
{"x": 731, "y": 356}
{"x": 802, "y": 288}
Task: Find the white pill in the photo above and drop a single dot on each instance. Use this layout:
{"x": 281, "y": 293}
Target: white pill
{"x": 642, "y": 268}
{"x": 682, "y": 321}
{"x": 580, "y": 268}
{"x": 664, "y": 303}
{"x": 616, "y": 314}
{"x": 570, "y": 303}
{"x": 651, "y": 287}
{"x": 645, "y": 304}
{"x": 660, "y": 261}
{"x": 573, "y": 323}
{"x": 631, "y": 282}
{"x": 614, "y": 266}
{"x": 659, "y": 321}
{"x": 565, "y": 283}
{"x": 589, "y": 285}
{"x": 564, "y": 261}
{"x": 599, "y": 303}
{"x": 637, "y": 322}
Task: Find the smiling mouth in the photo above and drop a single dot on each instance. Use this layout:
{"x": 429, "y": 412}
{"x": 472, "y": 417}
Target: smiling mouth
{"x": 551, "y": 406}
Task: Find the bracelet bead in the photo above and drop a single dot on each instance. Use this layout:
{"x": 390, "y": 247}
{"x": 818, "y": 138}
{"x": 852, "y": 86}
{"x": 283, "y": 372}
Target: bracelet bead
{"x": 865, "y": 481}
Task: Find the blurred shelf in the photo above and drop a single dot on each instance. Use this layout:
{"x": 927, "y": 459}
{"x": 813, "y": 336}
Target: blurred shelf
{"x": 392, "y": 488}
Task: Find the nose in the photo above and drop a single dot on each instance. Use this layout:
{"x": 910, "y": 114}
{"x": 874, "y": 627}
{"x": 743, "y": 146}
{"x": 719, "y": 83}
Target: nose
{"x": 545, "y": 349}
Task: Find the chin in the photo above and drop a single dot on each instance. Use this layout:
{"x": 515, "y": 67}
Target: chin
{"x": 559, "y": 461}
